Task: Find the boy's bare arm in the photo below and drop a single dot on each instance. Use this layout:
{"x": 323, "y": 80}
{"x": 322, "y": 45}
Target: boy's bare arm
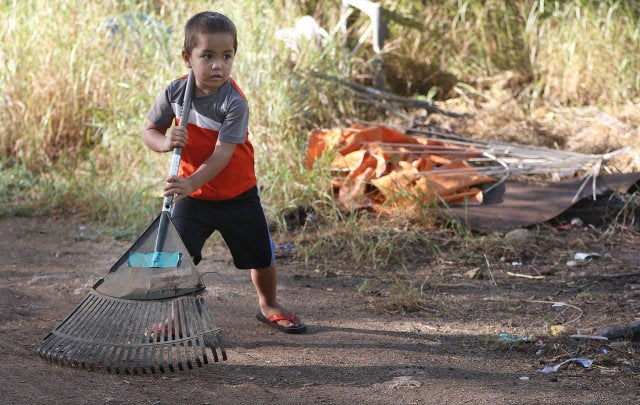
{"x": 214, "y": 163}
{"x": 157, "y": 140}
{"x": 181, "y": 187}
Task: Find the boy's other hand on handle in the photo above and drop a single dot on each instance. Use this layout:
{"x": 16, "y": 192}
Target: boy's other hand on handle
{"x": 180, "y": 187}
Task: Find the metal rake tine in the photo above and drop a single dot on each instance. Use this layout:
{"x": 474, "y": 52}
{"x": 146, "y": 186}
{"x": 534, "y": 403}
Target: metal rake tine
{"x": 191, "y": 342}
{"x": 153, "y": 348}
{"x": 53, "y": 340}
{"x": 194, "y": 321}
{"x": 79, "y": 325}
{"x": 132, "y": 335}
{"x": 54, "y": 352}
{"x": 77, "y": 316}
{"x": 183, "y": 330}
{"x": 189, "y": 338}
{"x": 110, "y": 337}
{"x": 183, "y": 318}
{"x": 178, "y": 357}
{"x": 129, "y": 311}
{"x": 217, "y": 344}
{"x": 193, "y": 346}
{"x": 101, "y": 333}
{"x": 177, "y": 321}
{"x": 127, "y": 345}
{"x": 116, "y": 337}
{"x": 165, "y": 337}
{"x": 173, "y": 347}
{"x": 127, "y": 350}
{"x": 136, "y": 338}
{"x": 166, "y": 312}
{"x": 121, "y": 319}
{"x": 57, "y": 338}
{"x": 150, "y": 359}
{"x": 210, "y": 343}
{"x": 207, "y": 340}
{"x": 221, "y": 346}
{"x": 216, "y": 330}
{"x": 170, "y": 346}
{"x": 142, "y": 350}
{"x": 169, "y": 311}
{"x": 85, "y": 349}
{"x": 191, "y": 353}
{"x": 203, "y": 335}
{"x": 200, "y": 330}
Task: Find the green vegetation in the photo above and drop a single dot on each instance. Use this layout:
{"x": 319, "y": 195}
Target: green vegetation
{"x": 78, "y": 79}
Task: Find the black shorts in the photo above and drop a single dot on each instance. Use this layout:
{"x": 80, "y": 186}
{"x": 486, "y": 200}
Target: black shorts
{"x": 240, "y": 221}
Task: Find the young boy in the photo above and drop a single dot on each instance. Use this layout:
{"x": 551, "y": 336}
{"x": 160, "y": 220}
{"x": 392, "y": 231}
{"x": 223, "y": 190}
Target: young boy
{"x": 216, "y": 189}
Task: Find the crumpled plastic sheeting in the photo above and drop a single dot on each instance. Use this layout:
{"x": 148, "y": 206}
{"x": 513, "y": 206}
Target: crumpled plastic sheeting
{"x": 586, "y": 363}
{"x": 375, "y": 165}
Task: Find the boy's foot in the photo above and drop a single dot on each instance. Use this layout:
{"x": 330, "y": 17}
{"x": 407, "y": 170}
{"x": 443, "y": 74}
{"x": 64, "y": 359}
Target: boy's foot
{"x": 295, "y": 325}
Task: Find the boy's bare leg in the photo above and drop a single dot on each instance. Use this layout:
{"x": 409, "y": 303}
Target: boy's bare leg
{"x": 265, "y": 282}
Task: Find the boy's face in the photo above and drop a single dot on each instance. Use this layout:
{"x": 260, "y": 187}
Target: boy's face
{"x": 211, "y": 61}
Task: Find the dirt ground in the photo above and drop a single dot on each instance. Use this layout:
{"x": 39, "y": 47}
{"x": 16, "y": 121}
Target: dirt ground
{"x": 356, "y": 350}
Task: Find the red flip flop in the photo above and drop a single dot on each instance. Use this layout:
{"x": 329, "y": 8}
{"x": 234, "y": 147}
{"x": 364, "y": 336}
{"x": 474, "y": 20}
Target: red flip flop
{"x": 155, "y": 332}
{"x": 273, "y": 322}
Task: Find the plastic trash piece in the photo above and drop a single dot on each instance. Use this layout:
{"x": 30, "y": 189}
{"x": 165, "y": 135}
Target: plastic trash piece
{"x": 584, "y": 256}
{"x": 507, "y": 337}
{"x": 586, "y": 363}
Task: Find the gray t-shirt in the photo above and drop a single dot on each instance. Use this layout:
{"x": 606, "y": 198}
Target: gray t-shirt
{"x": 225, "y": 111}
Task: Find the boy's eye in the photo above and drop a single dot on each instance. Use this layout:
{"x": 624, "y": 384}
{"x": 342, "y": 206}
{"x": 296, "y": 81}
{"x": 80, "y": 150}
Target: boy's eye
{"x": 227, "y": 57}
{"x": 207, "y": 56}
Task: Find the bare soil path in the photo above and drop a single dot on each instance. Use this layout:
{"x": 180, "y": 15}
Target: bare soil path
{"x": 449, "y": 352}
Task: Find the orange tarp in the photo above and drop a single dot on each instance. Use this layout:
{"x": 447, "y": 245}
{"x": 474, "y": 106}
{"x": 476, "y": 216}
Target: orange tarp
{"x": 376, "y": 164}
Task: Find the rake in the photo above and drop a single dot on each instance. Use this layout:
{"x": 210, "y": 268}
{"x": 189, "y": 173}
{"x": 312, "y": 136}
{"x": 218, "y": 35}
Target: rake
{"x": 146, "y": 315}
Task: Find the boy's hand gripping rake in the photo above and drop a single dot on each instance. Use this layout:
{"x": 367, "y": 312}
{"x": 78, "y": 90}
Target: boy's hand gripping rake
{"x": 145, "y": 314}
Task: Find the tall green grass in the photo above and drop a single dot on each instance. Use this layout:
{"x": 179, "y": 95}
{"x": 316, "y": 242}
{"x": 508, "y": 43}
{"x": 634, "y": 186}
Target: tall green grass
{"x": 79, "y": 77}
{"x": 76, "y": 89}
{"x": 575, "y": 52}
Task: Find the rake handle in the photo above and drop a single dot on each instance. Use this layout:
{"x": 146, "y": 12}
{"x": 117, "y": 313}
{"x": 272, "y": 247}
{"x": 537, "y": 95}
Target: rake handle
{"x": 175, "y": 164}
{"x": 177, "y": 152}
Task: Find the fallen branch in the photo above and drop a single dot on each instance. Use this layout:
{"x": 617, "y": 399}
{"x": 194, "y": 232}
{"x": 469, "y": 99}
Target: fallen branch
{"x": 381, "y": 96}
{"x": 525, "y": 276}
{"x": 454, "y": 285}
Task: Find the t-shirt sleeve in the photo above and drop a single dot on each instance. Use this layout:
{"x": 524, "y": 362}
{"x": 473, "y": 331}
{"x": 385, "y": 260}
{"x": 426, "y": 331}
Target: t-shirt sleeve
{"x": 236, "y": 123}
{"x": 162, "y": 114}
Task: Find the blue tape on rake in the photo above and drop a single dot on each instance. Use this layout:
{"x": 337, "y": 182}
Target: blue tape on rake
{"x": 154, "y": 259}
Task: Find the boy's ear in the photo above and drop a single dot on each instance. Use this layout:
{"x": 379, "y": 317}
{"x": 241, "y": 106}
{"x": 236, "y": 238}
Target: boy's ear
{"x": 185, "y": 58}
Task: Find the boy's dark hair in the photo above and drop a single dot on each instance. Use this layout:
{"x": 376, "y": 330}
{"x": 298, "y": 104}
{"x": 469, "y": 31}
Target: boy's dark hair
{"x": 208, "y": 22}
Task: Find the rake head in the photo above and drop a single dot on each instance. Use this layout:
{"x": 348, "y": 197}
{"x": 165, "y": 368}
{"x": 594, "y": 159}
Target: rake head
{"x": 135, "y": 336}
